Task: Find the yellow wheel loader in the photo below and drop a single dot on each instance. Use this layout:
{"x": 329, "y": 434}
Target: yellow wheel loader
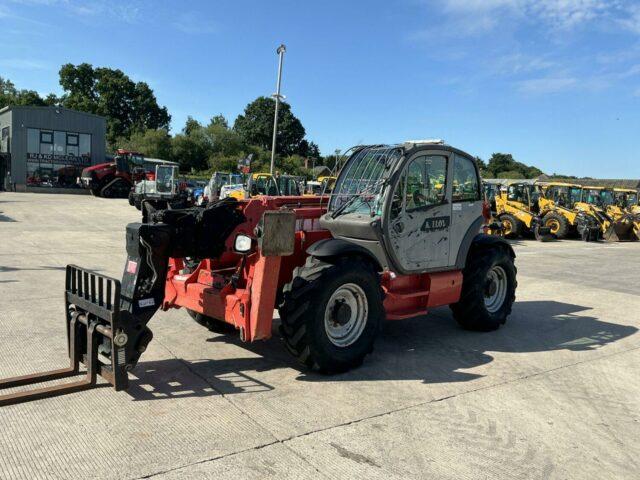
{"x": 599, "y": 202}
{"x": 517, "y": 209}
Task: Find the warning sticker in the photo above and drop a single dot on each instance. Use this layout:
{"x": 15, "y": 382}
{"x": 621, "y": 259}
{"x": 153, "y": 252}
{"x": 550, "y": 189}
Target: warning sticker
{"x": 132, "y": 267}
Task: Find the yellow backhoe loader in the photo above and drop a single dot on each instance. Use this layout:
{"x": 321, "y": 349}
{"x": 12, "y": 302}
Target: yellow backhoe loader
{"x": 558, "y": 210}
{"x": 599, "y": 202}
{"x": 518, "y": 210}
{"x": 627, "y": 206}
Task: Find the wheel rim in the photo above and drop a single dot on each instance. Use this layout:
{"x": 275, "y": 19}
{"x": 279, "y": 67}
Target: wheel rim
{"x": 508, "y": 228}
{"x": 554, "y": 225}
{"x": 346, "y": 315}
{"x": 495, "y": 291}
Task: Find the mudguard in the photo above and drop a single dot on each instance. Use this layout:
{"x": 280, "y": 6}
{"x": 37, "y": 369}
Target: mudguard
{"x": 335, "y": 247}
{"x": 492, "y": 240}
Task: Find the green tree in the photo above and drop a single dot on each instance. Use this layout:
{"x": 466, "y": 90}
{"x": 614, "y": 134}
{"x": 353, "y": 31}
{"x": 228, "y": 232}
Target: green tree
{"x": 152, "y": 143}
{"x": 308, "y": 149}
{"x": 255, "y": 126}
{"x": 510, "y": 174}
{"x": 10, "y": 95}
{"x": 502, "y": 163}
{"x": 192, "y": 148}
{"x": 219, "y": 120}
{"x": 129, "y": 106}
{"x": 191, "y": 126}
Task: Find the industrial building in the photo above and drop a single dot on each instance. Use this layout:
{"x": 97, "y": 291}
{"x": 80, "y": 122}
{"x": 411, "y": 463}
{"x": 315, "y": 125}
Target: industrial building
{"x": 45, "y": 148}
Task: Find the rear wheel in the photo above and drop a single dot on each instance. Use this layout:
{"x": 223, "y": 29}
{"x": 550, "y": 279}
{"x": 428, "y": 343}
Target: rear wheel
{"x": 512, "y": 227}
{"x": 331, "y": 314}
{"x": 557, "y": 223}
{"x": 488, "y": 290}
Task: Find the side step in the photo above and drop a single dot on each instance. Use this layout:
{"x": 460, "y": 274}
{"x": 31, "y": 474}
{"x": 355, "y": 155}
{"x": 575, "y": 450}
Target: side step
{"x": 92, "y": 304}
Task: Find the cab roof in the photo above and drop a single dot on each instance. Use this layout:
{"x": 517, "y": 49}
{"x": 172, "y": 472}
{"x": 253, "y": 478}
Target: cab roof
{"x": 559, "y": 184}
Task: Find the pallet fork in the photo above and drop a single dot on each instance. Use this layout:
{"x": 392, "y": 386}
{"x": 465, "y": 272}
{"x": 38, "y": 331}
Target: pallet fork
{"x": 105, "y": 319}
{"x": 92, "y": 314}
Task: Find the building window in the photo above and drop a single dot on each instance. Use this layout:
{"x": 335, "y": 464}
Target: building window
{"x": 46, "y": 142}
{"x": 4, "y": 143}
{"x": 85, "y": 145}
{"x": 72, "y": 144}
{"x": 56, "y": 158}
{"x": 59, "y": 143}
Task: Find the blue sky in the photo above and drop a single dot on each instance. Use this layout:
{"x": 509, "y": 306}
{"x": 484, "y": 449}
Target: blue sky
{"x": 555, "y": 83}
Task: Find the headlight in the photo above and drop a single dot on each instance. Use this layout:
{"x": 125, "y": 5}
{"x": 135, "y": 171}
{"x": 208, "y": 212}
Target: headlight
{"x": 242, "y": 244}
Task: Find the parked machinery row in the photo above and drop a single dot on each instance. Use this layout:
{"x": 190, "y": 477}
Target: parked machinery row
{"x": 562, "y": 210}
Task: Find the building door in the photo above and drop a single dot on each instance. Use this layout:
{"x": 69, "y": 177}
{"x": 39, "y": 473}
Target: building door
{"x": 5, "y": 165}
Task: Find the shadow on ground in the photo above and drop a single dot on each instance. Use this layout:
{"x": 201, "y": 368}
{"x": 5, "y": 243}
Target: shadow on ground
{"x": 4, "y": 269}
{"x": 4, "y": 218}
{"x": 432, "y": 349}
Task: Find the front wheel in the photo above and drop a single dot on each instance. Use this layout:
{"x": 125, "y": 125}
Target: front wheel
{"x": 488, "y": 290}
{"x": 557, "y": 224}
{"x": 511, "y": 226}
{"x": 331, "y": 314}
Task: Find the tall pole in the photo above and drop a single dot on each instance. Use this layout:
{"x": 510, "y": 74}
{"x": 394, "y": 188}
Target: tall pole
{"x": 281, "y": 50}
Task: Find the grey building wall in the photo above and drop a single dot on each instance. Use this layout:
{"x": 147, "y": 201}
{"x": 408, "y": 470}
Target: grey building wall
{"x": 19, "y": 119}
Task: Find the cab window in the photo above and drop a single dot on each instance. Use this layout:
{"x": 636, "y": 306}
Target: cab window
{"x": 465, "y": 180}
{"x": 423, "y": 183}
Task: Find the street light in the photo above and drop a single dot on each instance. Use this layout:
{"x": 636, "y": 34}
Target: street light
{"x": 337, "y": 162}
{"x": 280, "y": 51}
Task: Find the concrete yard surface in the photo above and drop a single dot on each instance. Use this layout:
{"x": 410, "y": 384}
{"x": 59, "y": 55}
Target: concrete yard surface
{"x": 555, "y": 393}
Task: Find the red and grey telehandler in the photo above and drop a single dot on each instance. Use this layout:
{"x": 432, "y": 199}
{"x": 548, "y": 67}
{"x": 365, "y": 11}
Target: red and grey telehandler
{"x": 398, "y": 236}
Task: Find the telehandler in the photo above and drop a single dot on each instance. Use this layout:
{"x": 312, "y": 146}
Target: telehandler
{"x": 517, "y": 209}
{"x": 387, "y": 245}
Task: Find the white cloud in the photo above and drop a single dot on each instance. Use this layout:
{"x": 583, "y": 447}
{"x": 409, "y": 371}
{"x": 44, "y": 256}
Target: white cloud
{"x": 193, "y": 23}
{"x": 127, "y": 12}
{"x": 631, "y": 21}
{"x": 519, "y": 63}
{"x": 567, "y": 14}
{"x": 555, "y": 14}
{"x": 547, "y": 85}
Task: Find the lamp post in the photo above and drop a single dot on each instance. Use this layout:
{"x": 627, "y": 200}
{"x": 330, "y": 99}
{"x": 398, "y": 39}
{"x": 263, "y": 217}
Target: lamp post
{"x": 337, "y": 164}
{"x": 280, "y": 51}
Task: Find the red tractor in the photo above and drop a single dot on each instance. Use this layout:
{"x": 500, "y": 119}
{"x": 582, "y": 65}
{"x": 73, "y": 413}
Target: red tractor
{"x": 398, "y": 236}
{"x": 115, "y": 179}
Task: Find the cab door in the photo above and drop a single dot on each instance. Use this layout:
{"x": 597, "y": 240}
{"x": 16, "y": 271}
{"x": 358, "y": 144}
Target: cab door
{"x": 417, "y": 217}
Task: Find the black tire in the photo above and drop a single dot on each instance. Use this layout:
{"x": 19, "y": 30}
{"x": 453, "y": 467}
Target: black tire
{"x": 513, "y": 227}
{"x": 471, "y": 311}
{"x": 213, "y": 324}
{"x": 304, "y": 303}
{"x": 131, "y": 199}
{"x": 558, "y": 224}
{"x": 95, "y": 192}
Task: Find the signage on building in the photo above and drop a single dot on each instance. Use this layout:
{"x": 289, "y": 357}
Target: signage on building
{"x": 51, "y": 158}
